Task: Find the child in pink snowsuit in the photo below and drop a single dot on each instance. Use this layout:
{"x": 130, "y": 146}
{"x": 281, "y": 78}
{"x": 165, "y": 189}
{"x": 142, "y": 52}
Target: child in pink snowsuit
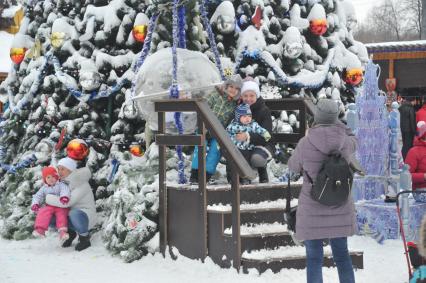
{"x": 45, "y": 213}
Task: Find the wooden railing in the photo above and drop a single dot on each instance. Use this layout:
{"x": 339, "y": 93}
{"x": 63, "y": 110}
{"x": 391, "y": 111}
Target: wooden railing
{"x": 239, "y": 166}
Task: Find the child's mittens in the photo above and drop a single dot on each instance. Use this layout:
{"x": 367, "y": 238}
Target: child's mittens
{"x": 35, "y": 207}
{"x": 267, "y": 136}
{"x": 64, "y": 200}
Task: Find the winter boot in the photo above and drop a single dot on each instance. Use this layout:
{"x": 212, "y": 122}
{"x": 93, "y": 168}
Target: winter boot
{"x": 63, "y": 235}
{"x": 71, "y": 236}
{"x": 193, "y": 179}
{"x": 209, "y": 179}
{"x": 83, "y": 243}
{"x": 263, "y": 175}
{"x": 39, "y": 233}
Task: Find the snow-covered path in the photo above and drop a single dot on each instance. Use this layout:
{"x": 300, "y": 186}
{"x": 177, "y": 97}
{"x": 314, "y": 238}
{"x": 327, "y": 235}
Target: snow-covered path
{"x": 41, "y": 261}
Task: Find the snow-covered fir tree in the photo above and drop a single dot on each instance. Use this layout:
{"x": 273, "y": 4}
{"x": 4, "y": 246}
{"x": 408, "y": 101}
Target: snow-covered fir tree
{"x": 75, "y": 81}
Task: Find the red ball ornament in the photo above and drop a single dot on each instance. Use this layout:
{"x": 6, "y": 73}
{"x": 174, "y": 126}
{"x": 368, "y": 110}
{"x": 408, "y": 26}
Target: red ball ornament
{"x": 77, "y": 149}
{"x": 318, "y": 27}
{"x": 139, "y": 32}
{"x": 353, "y": 76}
{"x": 136, "y": 150}
{"x": 17, "y": 54}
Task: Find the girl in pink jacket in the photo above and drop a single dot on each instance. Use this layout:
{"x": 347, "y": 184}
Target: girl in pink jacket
{"x": 45, "y": 213}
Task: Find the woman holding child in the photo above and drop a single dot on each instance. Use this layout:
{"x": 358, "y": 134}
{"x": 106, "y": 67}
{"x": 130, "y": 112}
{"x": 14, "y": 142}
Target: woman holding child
{"x": 82, "y": 214}
{"x": 260, "y": 113}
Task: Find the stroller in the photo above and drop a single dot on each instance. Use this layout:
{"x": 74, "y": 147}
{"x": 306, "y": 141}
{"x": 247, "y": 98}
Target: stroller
{"x": 414, "y": 259}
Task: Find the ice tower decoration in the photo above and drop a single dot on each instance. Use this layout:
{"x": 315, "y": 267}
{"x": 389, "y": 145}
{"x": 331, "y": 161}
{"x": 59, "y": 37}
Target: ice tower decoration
{"x": 373, "y": 137}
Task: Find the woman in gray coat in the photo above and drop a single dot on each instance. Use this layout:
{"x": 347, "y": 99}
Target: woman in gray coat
{"x": 316, "y": 222}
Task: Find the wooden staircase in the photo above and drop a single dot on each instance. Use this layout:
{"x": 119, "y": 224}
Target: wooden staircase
{"x": 235, "y": 225}
{"x": 265, "y": 240}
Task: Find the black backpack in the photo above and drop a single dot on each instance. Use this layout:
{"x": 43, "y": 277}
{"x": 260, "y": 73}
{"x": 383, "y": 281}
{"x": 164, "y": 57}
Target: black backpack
{"x": 333, "y": 183}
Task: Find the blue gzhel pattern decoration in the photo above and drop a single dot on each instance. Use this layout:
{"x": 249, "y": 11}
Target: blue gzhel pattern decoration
{"x": 372, "y": 132}
{"x": 380, "y": 220}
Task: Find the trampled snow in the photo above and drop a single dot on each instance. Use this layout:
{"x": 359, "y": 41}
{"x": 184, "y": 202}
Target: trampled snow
{"x": 43, "y": 261}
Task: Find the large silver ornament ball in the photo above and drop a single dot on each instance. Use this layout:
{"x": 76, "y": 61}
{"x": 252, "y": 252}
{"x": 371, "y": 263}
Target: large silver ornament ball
{"x": 130, "y": 111}
{"x": 90, "y": 81}
{"x": 225, "y": 24}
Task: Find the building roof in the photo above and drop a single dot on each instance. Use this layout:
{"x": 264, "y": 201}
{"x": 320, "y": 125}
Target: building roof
{"x": 397, "y": 46}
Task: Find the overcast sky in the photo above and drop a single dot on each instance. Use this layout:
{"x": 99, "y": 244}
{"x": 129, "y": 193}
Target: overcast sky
{"x": 362, "y": 7}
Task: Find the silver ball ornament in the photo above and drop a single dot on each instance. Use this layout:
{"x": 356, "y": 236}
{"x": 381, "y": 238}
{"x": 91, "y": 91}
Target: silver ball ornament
{"x": 293, "y": 50}
{"x": 90, "y": 81}
{"x": 130, "y": 111}
{"x": 225, "y": 24}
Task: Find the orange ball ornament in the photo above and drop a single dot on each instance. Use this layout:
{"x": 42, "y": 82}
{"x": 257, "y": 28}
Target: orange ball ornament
{"x": 77, "y": 149}
{"x": 17, "y": 54}
{"x": 139, "y": 32}
{"x": 318, "y": 27}
{"x": 354, "y": 76}
{"x": 136, "y": 150}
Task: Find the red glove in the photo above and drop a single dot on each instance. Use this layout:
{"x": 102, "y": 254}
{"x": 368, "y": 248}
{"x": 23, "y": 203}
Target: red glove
{"x": 64, "y": 200}
{"x": 35, "y": 207}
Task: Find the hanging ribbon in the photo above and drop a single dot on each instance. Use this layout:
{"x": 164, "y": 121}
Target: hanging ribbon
{"x": 181, "y": 22}
{"x": 145, "y": 50}
{"x": 115, "y": 164}
{"x": 206, "y": 23}
{"x": 77, "y": 93}
{"x": 174, "y": 93}
{"x": 22, "y": 164}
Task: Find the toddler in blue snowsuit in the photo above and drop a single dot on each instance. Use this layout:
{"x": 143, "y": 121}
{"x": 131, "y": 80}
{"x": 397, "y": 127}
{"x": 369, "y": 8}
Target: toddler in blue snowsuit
{"x": 243, "y": 123}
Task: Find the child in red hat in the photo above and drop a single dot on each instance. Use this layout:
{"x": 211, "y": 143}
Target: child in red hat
{"x": 45, "y": 213}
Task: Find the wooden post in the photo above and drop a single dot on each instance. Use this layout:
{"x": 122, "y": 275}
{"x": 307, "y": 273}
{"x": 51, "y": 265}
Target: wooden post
{"x": 162, "y": 186}
{"x": 236, "y": 221}
{"x": 202, "y": 184}
{"x": 391, "y": 68}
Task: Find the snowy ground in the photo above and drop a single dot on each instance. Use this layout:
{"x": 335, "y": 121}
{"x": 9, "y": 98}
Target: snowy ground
{"x": 5, "y": 43}
{"x": 42, "y": 260}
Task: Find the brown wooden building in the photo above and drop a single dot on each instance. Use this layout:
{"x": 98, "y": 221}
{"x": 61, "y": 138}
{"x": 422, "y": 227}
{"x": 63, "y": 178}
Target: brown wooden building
{"x": 404, "y": 61}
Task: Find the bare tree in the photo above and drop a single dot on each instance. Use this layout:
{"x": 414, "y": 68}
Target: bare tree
{"x": 392, "y": 21}
{"x": 412, "y": 11}
{"x": 423, "y": 25}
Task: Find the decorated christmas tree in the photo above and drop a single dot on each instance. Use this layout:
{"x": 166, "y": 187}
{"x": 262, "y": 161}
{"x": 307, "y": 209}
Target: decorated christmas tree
{"x": 78, "y": 64}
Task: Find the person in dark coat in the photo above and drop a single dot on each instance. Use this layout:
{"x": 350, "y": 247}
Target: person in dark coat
{"x": 407, "y": 124}
{"x": 316, "y": 222}
{"x": 264, "y": 150}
